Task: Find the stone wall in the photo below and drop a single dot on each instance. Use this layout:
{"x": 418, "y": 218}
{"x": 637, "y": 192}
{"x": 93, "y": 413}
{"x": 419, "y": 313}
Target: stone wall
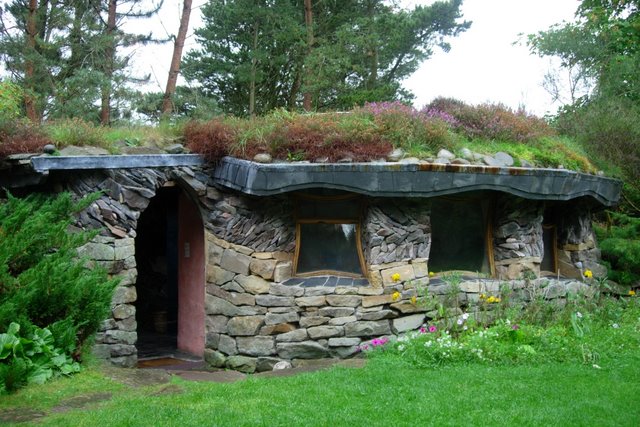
{"x": 577, "y": 246}
{"x": 256, "y": 316}
{"x": 517, "y": 236}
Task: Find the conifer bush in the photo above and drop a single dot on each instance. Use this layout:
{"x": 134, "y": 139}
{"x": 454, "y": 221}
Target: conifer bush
{"x": 43, "y": 282}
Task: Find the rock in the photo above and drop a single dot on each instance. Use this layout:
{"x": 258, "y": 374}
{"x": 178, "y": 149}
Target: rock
{"x": 318, "y": 301}
{"x": 407, "y": 307}
{"x": 282, "y": 272}
{"x": 286, "y": 291}
{"x": 302, "y": 350}
{"x": 442, "y": 161}
{"x": 49, "y": 149}
{"x": 252, "y": 284}
{"x": 263, "y": 158}
{"x": 242, "y": 364}
{"x": 344, "y": 300}
{"x": 490, "y": 161}
{"x": 283, "y": 364}
{"x": 503, "y": 158}
{"x": 321, "y": 160}
{"x": 263, "y": 268}
{"x": 460, "y": 162}
{"x": 407, "y": 323}
{"x": 318, "y": 332}
{"x": 244, "y": 325}
{"x": 293, "y": 336}
{"x": 214, "y": 358}
{"x": 276, "y": 318}
{"x": 308, "y": 321}
{"x": 280, "y": 328}
{"x": 466, "y": 154}
{"x": 174, "y": 149}
{"x": 367, "y": 328}
{"x": 274, "y": 301}
{"x": 256, "y": 346}
{"x": 445, "y": 154}
{"x": 123, "y": 311}
{"x": 235, "y": 261}
{"x": 377, "y": 315}
{"x": 395, "y": 155}
{"x": 525, "y": 164}
{"x": 374, "y": 300}
{"x": 266, "y": 363}
{"x": 343, "y": 342}
{"x": 124, "y": 294}
{"x": 339, "y": 321}
{"x": 215, "y": 305}
{"x": 227, "y": 345}
{"x": 336, "y": 311}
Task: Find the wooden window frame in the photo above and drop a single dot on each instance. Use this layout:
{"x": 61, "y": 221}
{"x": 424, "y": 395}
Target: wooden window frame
{"x": 357, "y": 221}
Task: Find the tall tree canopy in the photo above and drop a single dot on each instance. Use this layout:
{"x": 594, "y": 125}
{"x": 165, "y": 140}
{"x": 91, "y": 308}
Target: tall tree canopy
{"x": 256, "y": 55}
{"x": 604, "y": 41}
{"x": 65, "y": 53}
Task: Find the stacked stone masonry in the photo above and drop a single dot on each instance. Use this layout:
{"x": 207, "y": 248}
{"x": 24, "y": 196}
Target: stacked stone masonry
{"x": 253, "y": 320}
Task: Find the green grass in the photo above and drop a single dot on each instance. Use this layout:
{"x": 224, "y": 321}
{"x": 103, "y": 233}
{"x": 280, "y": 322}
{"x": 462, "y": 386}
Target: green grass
{"x": 387, "y": 392}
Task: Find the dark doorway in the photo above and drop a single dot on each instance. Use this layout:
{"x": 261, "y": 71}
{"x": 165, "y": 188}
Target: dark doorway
{"x": 157, "y": 283}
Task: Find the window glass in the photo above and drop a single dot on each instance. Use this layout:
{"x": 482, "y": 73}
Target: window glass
{"x": 328, "y": 247}
{"x": 458, "y": 235}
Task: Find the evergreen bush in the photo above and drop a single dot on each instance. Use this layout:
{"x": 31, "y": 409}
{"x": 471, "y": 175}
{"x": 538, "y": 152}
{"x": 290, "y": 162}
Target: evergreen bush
{"x": 43, "y": 282}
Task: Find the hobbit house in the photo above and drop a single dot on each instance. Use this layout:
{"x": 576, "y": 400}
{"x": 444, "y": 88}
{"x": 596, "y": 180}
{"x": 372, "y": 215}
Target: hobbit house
{"x": 246, "y": 264}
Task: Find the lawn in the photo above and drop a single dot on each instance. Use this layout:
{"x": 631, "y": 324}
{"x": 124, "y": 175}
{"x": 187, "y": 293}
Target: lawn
{"x": 387, "y": 392}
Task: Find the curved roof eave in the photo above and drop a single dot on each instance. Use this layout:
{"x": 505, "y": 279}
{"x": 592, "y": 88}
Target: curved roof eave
{"x": 413, "y": 180}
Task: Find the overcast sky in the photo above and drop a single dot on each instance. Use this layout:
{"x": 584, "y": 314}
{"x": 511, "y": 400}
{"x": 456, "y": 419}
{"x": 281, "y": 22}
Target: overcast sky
{"x": 483, "y": 65}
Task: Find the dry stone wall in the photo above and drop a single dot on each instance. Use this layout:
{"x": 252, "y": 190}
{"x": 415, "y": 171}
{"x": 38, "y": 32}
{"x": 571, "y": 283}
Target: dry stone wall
{"x": 256, "y": 316}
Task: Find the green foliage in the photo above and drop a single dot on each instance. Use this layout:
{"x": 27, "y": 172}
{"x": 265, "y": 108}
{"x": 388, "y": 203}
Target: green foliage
{"x": 10, "y": 101}
{"x": 620, "y": 245}
{"x": 33, "y": 359}
{"x": 43, "y": 282}
{"x": 361, "y": 51}
{"x": 65, "y": 132}
{"x": 187, "y": 103}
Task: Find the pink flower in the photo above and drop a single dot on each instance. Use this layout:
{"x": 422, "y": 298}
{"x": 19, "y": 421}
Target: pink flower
{"x": 423, "y": 330}
{"x": 515, "y": 327}
{"x": 432, "y": 329}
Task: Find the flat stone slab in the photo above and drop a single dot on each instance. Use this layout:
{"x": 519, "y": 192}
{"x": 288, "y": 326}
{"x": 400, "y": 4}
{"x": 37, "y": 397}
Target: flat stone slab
{"x": 325, "y": 281}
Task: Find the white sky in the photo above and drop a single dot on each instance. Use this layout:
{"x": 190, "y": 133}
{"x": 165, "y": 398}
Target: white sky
{"x": 483, "y": 65}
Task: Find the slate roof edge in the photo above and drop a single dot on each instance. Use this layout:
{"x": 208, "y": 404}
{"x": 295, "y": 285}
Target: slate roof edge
{"x": 386, "y": 179}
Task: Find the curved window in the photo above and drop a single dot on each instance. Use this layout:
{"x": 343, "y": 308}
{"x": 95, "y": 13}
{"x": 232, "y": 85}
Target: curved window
{"x": 328, "y": 236}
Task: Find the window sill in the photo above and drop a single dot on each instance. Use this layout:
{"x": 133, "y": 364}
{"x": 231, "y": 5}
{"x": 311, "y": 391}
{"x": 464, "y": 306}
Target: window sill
{"x": 326, "y": 281}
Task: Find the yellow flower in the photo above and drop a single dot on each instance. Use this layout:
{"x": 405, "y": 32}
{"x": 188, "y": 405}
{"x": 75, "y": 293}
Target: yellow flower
{"x": 497, "y": 299}
{"x": 482, "y": 296}
{"x": 395, "y": 296}
{"x": 395, "y": 277}
{"x": 632, "y": 293}
{"x": 588, "y": 274}
{"x": 431, "y": 274}
{"x": 491, "y": 299}
{"x": 414, "y": 300}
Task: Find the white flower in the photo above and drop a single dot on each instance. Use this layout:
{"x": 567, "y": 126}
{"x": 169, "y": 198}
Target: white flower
{"x": 579, "y": 315}
{"x": 596, "y": 366}
{"x": 615, "y": 326}
{"x": 401, "y": 347}
{"x": 465, "y": 316}
{"x": 459, "y": 322}
{"x": 464, "y": 328}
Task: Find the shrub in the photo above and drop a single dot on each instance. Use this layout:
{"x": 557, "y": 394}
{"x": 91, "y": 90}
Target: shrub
{"x": 493, "y": 121}
{"x": 77, "y": 132}
{"x": 43, "y": 283}
{"x": 620, "y": 246}
{"x": 20, "y": 136}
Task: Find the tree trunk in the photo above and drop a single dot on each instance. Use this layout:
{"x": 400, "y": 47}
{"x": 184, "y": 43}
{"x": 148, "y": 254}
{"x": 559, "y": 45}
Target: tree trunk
{"x": 307, "y": 99}
{"x": 254, "y": 65}
{"x": 29, "y": 68}
{"x": 174, "y": 69}
{"x": 105, "y": 110}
